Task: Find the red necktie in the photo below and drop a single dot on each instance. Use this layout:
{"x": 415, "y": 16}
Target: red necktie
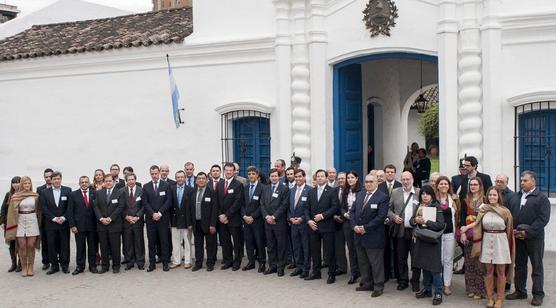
{"x": 86, "y": 199}
{"x": 215, "y": 184}
{"x": 226, "y": 187}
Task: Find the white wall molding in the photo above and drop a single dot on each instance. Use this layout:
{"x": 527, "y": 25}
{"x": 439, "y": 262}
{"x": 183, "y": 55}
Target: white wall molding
{"x": 534, "y": 95}
{"x": 244, "y": 105}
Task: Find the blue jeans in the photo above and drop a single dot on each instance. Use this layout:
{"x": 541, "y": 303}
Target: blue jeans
{"x": 435, "y": 279}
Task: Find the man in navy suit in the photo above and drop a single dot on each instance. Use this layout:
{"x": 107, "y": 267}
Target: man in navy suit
{"x": 299, "y": 228}
{"x": 54, "y": 203}
{"x": 47, "y": 174}
{"x": 253, "y": 222}
{"x": 182, "y": 244}
{"x": 134, "y": 222}
{"x": 189, "y": 169}
{"x": 390, "y": 183}
{"x": 156, "y": 202}
{"x": 322, "y": 205}
{"x": 82, "y": 222}
{"x": 367, "y": 220}
{"x": 115, "y": 171}
{"x": 215, "y": 178}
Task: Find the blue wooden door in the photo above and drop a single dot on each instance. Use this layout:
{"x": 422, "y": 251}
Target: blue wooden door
{"x": 252, "y": 143}
{"x": 348, "y": 126}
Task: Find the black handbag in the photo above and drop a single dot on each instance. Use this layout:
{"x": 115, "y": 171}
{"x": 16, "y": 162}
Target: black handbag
{"x": 428, "y": 235}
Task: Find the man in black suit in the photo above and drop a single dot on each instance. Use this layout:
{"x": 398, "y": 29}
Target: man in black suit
{"x": 157, "y": 203}
{"x": 115, "y": 171}
{"x": 274, "y": 207}
{"x": 202, "y": 217}
{"x": 322, "y": 205}
{"x": 215, "y": 178}
{"x": 299, "y": 228}
{"x": 82, "y": 222}
{"x": 230, "y": 200}
{"x": 181, "y": 234}
{"x": 134, "y": 221}
{"x": 54, "y": 203}
{"x": 390, "y": 183}
{"x": 189, "y": 169}
{"x": 457, "y": 180}
{"x": 164, "y": 172}
{"x": 108, "y": 211}
{"x": 128, "y": 170}
{"x": 253, "y": 222}
{"x": 44, "y": 243}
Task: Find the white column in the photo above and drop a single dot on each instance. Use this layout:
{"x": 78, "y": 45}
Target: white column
{"x": 448, "y": 86}
{"x": 469, "y": 80}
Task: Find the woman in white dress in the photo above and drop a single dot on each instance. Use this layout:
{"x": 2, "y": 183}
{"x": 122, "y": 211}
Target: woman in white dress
{"x": 23, "y": 223}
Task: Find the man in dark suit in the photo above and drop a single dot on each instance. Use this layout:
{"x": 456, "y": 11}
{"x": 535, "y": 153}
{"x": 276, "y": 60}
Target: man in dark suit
{"x": 253, "y": 222}
{"x": 202, "y": 217}
{"x": 230, "y": 200}
{"x": 470, "y": 163}
{"x": 368, "y": 214}
{"x": 299, "y": 230}
{"x": 390, "y": 183}
{"x": 108, "y": 211}
{"x": 164, "y": 172}
{"x": 531, "y": 212}
{"x": 47, "y": 174}
{"x": 54, "y": 203}
{"x": 157, "y": 203}
{"x": 457, "y": 180}
{"x": 134, "y": 221}
{"x": 82, "y": 222}
{"x": 501, "y": 182}
{"x": 274, "y": 207}
{"x": 189, "y": 169}
{"x": 215, "y": 178}
{"x": 322, "y": 205}
{"x": 115, "y": 171}
{"x": 181, "y": 234}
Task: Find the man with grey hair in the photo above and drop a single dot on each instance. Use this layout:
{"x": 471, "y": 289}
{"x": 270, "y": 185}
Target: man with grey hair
{"x": 380, "y": 176}
{"x": 501, "y": 183}
{"x": 531, "y": 212}
{"x": 238, "y": 177}
{"x": 332, "y": 177}
{"x": 189, "y": 169}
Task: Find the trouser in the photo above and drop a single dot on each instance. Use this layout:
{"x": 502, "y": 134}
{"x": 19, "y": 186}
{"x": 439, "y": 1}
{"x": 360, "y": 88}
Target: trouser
{"x": 110, "y": 241}
{"x": 170, "y": 247}
{"x": 300, "y": 241}
{"x": 432, "y": 279}
{"x": 13, "y": 253}
{"x": 327, "y": 239}
{"x": 404, "y": 247}
{"x": 352, "y": 253}
{"x": 44, "y": 244}
{"x": 255, "y": 241}
{"x": 157, "y": 234}
{"x": 448, "y": 246}
{"x": 200, "y": 238}
{"x": 231, "y": 239}
{"x": 390, "y": 270}
{"x": 371, "y": 265}
{"x": 276, "y": 242}
{"x": 58, "y": 247}
{"x": 86, "y": 243}
{"x": 182, "y": 245}
{"x": 134, "y": 244}
{"x": 340, "y": 248}
{"x": 532, "y": 249}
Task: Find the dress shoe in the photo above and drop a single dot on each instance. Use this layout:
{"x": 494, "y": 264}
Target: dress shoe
{"x": 165, "y": 267}
{"x": 461, "y": 271}
{"x": 225, "y": 266}
{"x": 210, "y": 268}
{"x": 296, "y": 272}
{"x": 187, "y": 266}
{"x": 353, "y": 279}
{"x": 151, "y": 268}
{"x": 93, "y": 270}
{"x": 128, "y": 266}
{"x": 12, "y": 268}
{"x": 262, "y": 268}
{"x": 249, "y": 266}
{"x": 536, "y": 301}
{"x": 103, "y": 270}
{"x": 303, "y": 275}
{"x": 516, "y": 295}
{"x": 270, "y": 270}
{"x": 415, "y": 287}
{"x": 402, "y": 286}
{"x": 447, "y": 291}
{"x": 331, "y": 279}
{"x": 313, "y": 276}
{"x": 19, "y": 269}
{"x": 52, "y": 271}
{"x": 45, "y": 266}
{"x": 124, "y": 261}
{"x": 437, "y": 300}
{"x": 196, "y": 268}
{"x": 115, "y": 270}
{"x": 140, "y": 267}
{"x": 281, "y": 272}
{"x": 173, "y": 265}
{"x": 364, "y": 288}
{"x": 65, "y": 270}
{"x": 77, "y": 271}
{"x": 339, "y": 272}
{"x": 423, "y": 293}
{"x": 291, "y": 266}
{"x": 377, "y": 293}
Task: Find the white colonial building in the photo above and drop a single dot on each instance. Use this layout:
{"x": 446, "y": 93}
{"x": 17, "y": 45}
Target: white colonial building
{"x": 262, "y": 79}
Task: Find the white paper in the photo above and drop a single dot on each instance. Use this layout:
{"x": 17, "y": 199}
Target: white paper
{"x": 429, "y": 213}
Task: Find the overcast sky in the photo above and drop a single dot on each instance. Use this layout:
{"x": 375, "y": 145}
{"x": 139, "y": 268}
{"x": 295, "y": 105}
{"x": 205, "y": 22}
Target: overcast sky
{"x": 28, "y": 6}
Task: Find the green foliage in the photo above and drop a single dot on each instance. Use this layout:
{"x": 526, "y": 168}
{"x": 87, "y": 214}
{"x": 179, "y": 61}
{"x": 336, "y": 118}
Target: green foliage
{"x": 428, "y": 125}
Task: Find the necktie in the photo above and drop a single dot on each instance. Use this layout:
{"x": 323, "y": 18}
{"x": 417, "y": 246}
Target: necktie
{"x": 180, "y": 195}
{"x": 86, "y": 199}
{"x": 251, "y": 191}
{"x": 367, "y": 197}
{"x": 389, "y": 188}
{"x": 155, "y": 186}
{"x": 297, "y": 195}
{"x": 189, "y": 182}
{"x": 273, "y": 188}
{"x": 108, "y": 192}
{"x": 130, "y": 198}
{"x": 199, "y": 196}
{"x": 320, "y": 193}
{"x": 215, "y": 184}
{"x": 226, "y": 187}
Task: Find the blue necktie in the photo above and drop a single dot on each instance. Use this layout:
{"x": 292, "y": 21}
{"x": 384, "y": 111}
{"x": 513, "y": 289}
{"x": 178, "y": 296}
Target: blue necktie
{"x": 180, "y": 195}
{"x": 189, "y": 182}
{"x": 273, "y": 188}
{"x": 251, "y": 191}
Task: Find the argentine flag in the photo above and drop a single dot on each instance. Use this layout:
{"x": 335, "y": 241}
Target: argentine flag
{"x": 175, "y": 96}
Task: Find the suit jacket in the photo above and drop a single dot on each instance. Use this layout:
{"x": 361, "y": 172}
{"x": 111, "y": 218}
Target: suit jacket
{"x": 120, "y": 183}
{"x": 79, "y": 215}
{"x": 275, "y": 203}
{"x": 384, "y": 187}
{"x": 211, "y": 183}
{"x": 109, "y": 208}
{"x": 485, "y": 178}
{"x": 327, "y": 206}
{"x": 396, "y": 206}
{"x": 298, "y": 210}
{"x": 134, "y": 209}
{"x": 209, "y": 209}
{"x": 252, "y": 206}
{"x": 169, "y": 181}
{"x": 179, "y": 210}
{"x": 230, "y": 202}
{"x": 157, "y": 201}
{"x": 41, "y": 188}
{"x": 533, "y": 216}
{"x": 50, "y": 209}
{"x": 193, "y": 179}
{"x": 371, "y": 216}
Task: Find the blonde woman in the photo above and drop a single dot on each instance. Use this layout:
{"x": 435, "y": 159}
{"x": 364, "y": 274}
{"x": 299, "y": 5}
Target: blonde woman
{"x": 98, "y": 180}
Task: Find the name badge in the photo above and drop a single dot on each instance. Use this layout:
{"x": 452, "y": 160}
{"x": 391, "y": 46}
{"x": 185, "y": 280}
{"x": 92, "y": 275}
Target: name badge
{"x": 303, "y": 198}
{"x": 207, "y": 199}
{"x": 114, "y": 201}
{"x": 162, "y": 193}
{"x": 138, "y": 199}
{"x": 230, "y": 191}
{"x": 255, "y": 197}
{"x": 374, "y": 206}
{"x": 64, "y": 198}
{"x": 275, "y": 195}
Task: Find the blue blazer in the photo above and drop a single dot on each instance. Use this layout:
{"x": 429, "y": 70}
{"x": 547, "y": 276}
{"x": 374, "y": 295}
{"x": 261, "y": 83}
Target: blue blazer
{"x": 371, "y": 215}
{"x": 299, "y": 209}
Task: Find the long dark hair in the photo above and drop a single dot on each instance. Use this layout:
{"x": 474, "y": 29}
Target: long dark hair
{"x": 427, "y": 189}
{"x": 357, "y": 186}
{"x": 15, "y": 179}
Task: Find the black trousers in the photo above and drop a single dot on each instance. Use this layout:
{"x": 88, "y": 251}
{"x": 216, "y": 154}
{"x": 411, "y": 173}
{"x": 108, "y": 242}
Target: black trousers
{"x": 301, "y": 251}
{"x": 170, "y": 247}
{"x": 232, "y": 252}
{"x": 390, "y": 269}
{"x": 85, "y": 244}
{"x": 327, "y": 239}
{"x": 340, "y": 247}
{"x": 207, "y": 240}
{"x": 255, "y": 241}
{"x": 157, "y": 234}
{"x": 134, "y": 244}
{"x": 276, "y": 243}
{"x": 44, "y": 243}
{"x": 110, "y": 243}
{"x": 352, "y": 253}
{"x": 404, "y": 246}
{"x": 58, "y": 247}
{"x": 532, "y": 249}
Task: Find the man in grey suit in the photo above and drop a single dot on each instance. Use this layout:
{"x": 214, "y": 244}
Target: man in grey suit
{"x": 134, "y": 221}
{"x": 404, "y": 201}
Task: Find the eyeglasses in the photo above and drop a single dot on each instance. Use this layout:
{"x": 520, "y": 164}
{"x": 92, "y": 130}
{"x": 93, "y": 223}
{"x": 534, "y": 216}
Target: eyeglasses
{"x": 370, "y": 182}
